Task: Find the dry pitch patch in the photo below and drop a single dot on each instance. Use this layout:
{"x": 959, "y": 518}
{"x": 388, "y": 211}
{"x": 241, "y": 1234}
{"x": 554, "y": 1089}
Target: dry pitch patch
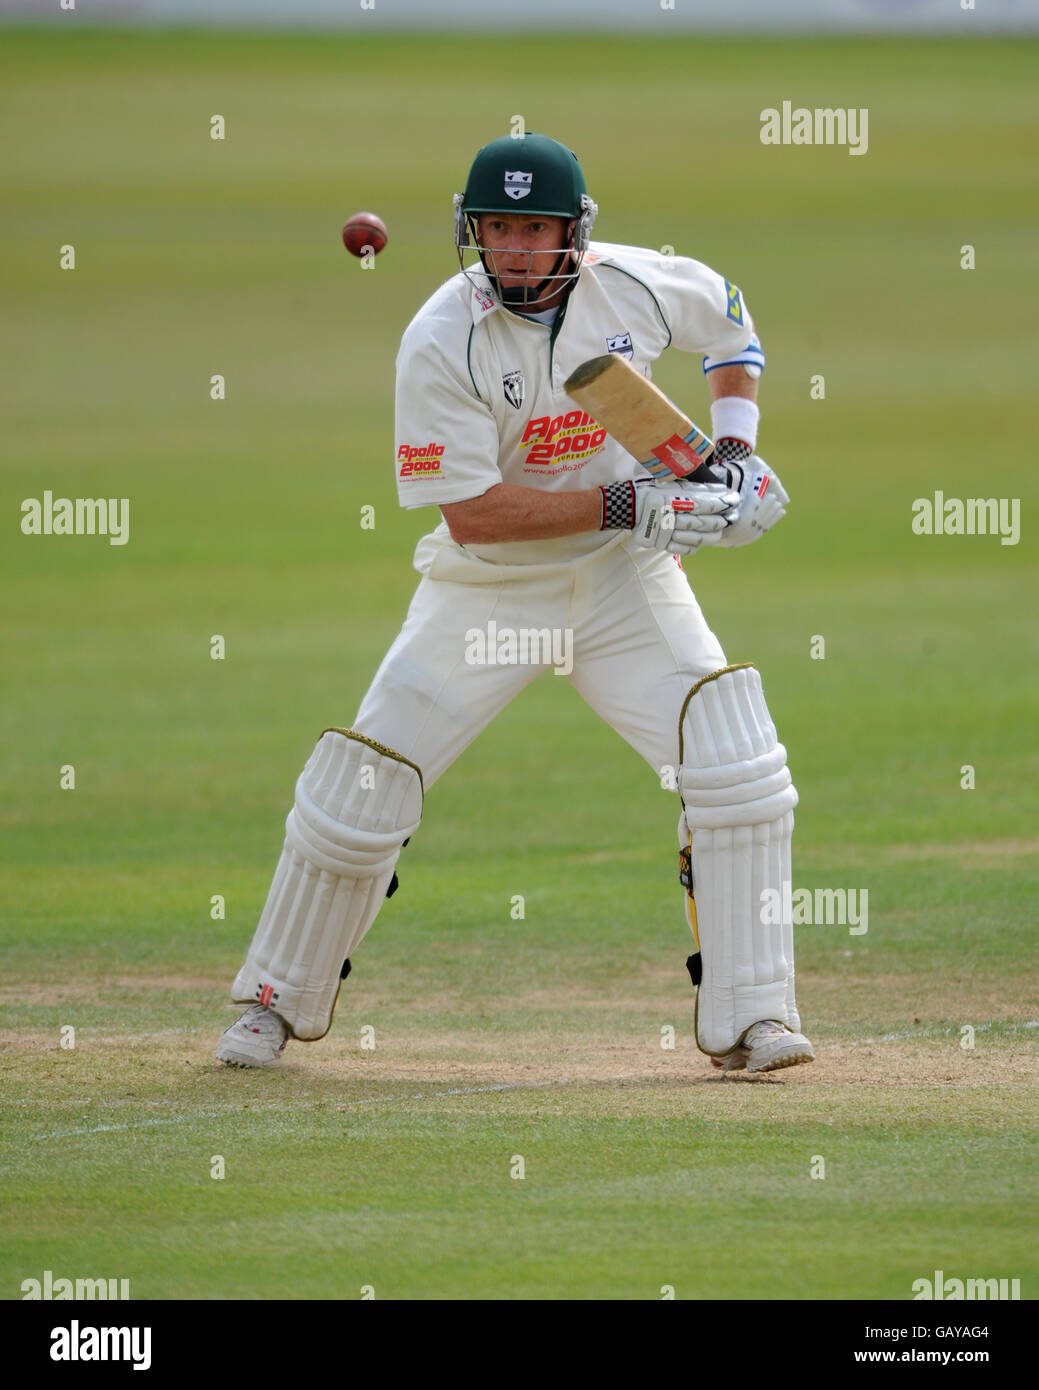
{"x": 562, "y": 1042}
{"x": 120, "y": 1087}
{"x": 537, "y": 1026}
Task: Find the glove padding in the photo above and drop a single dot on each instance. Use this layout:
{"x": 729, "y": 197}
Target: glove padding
{"x": 763, "y": 499}
{"x": 678, "y": 515}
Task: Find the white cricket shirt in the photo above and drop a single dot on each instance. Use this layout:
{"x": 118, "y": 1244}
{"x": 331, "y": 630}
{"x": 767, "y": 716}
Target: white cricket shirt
{"x": 480, "y": 396}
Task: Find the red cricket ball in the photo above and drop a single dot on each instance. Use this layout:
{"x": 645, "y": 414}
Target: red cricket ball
{"x": 365, "y": 231}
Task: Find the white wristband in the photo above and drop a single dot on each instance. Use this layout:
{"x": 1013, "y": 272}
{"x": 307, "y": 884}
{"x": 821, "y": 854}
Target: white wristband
{"x": 735, "y": 417}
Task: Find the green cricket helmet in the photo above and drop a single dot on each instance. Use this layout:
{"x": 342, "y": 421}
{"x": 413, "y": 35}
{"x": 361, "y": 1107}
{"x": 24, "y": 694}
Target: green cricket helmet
{"x": 528, "y": 175}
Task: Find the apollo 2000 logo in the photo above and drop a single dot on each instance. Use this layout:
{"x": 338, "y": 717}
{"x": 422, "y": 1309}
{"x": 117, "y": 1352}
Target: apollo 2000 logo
{"x": 561, "y": 441}
{"x": 423, "y": 462}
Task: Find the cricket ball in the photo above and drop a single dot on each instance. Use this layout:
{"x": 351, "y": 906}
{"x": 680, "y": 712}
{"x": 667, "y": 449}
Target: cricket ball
{"x": 365, "y": 231}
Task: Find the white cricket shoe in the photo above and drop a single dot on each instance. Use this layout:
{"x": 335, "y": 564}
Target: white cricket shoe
{"x": 257, "y": 1039}
{"x": 768, "y": 1046}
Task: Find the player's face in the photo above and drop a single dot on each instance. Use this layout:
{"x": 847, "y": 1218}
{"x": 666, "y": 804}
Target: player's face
{"x": 523, "y": 250}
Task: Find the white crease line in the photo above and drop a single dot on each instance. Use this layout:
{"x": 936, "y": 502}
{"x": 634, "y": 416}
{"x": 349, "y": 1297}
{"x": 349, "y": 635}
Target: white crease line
{"x": 372, "y": 1100}
{"x": 505, "y": 1086}
{"x": 131, "y": 1124}
{"x": 924, "y": 1032}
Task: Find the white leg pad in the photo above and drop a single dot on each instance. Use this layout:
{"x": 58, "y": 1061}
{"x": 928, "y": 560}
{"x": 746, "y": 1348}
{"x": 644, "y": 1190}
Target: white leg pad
{"x": 738, "y": 802}
{"x": 356, "y": 803}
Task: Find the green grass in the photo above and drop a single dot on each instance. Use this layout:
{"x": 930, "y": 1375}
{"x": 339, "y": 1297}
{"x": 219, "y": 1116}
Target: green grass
{"x": 415, "y": 1196}
{"x": 392, "y": 1167}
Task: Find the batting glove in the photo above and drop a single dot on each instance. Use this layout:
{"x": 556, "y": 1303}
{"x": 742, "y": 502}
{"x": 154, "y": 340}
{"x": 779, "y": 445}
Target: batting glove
{"x": 763, "y": 498}
{"x": 669, "y": 513}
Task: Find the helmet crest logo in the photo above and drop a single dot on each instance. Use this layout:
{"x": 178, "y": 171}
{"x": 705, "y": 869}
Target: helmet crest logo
{"x": 517, "y": 183}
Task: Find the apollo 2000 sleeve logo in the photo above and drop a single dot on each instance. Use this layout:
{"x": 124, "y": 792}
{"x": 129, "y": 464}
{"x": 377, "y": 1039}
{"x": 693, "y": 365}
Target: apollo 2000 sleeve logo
{"x": 421, "y": 462}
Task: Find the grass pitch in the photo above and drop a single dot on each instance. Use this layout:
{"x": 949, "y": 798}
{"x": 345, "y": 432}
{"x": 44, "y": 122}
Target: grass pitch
{"x": 496, "y": 1039}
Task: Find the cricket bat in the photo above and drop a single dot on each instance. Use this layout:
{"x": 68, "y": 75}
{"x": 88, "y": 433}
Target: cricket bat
{"x": 640, "y": 417}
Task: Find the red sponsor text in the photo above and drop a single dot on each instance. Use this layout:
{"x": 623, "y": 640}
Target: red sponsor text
{"x": 419, "y": 462}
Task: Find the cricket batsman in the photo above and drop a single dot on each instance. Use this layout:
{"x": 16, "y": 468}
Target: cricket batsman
{"x": 549, "y": 526}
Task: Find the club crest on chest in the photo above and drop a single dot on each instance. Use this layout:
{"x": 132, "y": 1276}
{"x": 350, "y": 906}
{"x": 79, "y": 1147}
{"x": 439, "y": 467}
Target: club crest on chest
{"x": 622, "y": 345}
{"x": 512, "y": 384}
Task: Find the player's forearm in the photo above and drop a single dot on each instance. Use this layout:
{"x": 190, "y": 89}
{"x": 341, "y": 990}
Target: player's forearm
{"x": 507, "y": 512}
{"x": 734, "y": 411}
{"x": 732, "y": 381}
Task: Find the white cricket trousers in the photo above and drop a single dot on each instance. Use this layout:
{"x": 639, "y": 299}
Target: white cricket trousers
{"x": 639, "y": 642}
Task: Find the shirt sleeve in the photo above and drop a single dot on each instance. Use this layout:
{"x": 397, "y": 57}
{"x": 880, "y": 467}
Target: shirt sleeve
{"x": 704, "y": 313}
{"x": 446, "y": 437}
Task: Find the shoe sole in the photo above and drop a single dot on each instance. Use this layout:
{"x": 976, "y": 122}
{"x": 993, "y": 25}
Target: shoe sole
{"x": 784, "y": 1059}
{"x": 241, "y": 1059}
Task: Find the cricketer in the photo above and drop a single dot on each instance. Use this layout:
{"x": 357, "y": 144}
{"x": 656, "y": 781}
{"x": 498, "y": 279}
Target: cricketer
{"x": 549, "y": 526}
